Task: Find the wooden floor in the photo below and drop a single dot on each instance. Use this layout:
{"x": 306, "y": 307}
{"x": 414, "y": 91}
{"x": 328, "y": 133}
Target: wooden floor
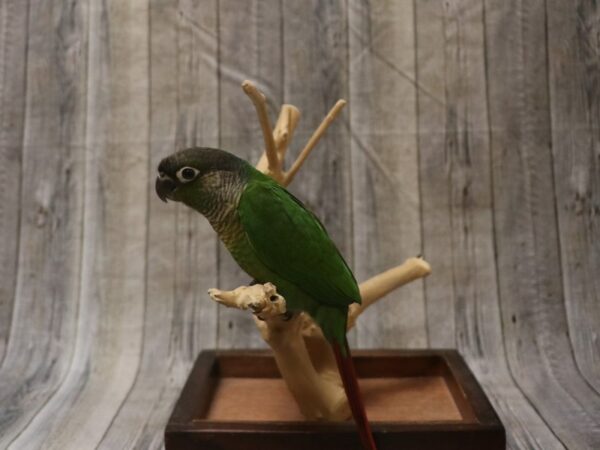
{"x": 472, "y": 137}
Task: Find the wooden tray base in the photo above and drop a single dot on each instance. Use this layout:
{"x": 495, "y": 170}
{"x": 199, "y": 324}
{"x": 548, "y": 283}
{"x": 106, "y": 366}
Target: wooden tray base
{"x": 425, "y": 399}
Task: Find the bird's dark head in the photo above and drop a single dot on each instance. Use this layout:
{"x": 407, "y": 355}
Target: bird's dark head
{"x": 184, "y": 173}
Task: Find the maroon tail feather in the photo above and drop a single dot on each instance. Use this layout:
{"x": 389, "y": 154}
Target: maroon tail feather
{"x": 348, "y": 374}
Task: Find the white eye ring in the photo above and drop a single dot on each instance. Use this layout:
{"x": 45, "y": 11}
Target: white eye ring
{"x": 187, "y": 174}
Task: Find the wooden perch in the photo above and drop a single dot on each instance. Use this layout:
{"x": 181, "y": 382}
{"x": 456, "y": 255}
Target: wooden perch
{"x": 303, "y": 355}
{"x": 277, "y": 141}
{"x": 384, "y": 283}
{"x": 317, "y": 135}
{"x": 261, "y": 299}
{"x": 260, "y": 103}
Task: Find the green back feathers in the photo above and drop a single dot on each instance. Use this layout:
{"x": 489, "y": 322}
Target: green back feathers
{"x": 290, "y": 241}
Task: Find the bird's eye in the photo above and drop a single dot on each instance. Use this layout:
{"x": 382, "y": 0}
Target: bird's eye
{"x": 187, "y": 174}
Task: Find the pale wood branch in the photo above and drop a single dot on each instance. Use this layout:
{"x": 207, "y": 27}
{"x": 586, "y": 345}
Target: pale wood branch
{"x": 287, "y": 122}
{"x": 262, "y": 299}
{"x": 260, "y": 103}
{"x": 319, "y": 132}
{"x": 380, "y": 285}
{"x": 318, "y": 391}
{"x": 284, "y": 129}
{"x": 277, "y": 141}
{"x": 303, "y": 355}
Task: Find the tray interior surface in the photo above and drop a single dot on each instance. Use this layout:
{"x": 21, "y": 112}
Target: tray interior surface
{"x": 418, "y": 389}
{"x": 398, "y": 399}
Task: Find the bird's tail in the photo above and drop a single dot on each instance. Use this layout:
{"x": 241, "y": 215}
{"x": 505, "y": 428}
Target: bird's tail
{"x": 350, "y": 380}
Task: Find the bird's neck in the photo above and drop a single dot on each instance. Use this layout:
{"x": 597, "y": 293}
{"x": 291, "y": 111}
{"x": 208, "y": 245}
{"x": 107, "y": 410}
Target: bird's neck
{"x": 217, "y": 198}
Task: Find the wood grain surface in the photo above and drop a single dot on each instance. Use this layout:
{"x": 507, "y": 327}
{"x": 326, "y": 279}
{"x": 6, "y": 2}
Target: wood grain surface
{"x": 471, "y": 136}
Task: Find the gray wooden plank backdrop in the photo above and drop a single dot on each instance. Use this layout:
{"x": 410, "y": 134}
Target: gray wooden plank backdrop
{"x": 472, "y": 136}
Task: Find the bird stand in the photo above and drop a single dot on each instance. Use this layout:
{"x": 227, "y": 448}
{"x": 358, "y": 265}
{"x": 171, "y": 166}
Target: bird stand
{"x": 293, "y": 397}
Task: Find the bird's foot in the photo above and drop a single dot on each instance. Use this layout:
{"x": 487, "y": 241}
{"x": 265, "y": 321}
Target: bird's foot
{"x": 262, "y": 299}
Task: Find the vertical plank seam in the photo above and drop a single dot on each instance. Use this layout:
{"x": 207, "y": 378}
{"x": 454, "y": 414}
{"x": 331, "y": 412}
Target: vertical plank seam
{"x": 85, "y": 178}
{"x": 282, "y": 51}
{"x": 3, "y": 73}
{"x": 420, "y": 283}
{"x": 176, "y": 210}
{"x": 150, "y": 184}
{"x": 448, "y": 172}
{"x": 218, "y": 78}
{"x": 20, "y": 195}
{"x": 146, "y": 241}
{"x": 555, "y": 203}
{"x": 21, "y": 181}
{"x": 349, "y": 121}
{"x": 419, "y": 187}
{"x": 494, "y": 233}
{"x": 349, "y": 151}
{"x": 255, "y": 5}
{"x": 83, "y": 215}
{"x": 220, "y": 139}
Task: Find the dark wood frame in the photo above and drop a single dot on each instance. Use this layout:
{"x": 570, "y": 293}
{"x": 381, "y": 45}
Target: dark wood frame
{"x": 480, "y": 429}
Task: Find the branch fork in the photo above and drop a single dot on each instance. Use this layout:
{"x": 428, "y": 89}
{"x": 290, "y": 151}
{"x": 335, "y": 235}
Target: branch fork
{"x": 303, "y": 355}
{"x": 277, "y": 140}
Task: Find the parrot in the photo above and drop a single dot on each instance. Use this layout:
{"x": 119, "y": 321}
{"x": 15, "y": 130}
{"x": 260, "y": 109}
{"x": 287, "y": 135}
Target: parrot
{"x": 274, "y": 238}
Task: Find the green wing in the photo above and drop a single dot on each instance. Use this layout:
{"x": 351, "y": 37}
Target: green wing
{"x": 291, "y": 242}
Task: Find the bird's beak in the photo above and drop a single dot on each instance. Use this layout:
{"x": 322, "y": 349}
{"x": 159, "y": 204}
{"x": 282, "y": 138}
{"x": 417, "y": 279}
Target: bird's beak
{"x": 164, "y": 187}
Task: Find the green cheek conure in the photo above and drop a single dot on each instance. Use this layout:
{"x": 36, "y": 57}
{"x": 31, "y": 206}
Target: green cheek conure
{"x": 274, "y": 238}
